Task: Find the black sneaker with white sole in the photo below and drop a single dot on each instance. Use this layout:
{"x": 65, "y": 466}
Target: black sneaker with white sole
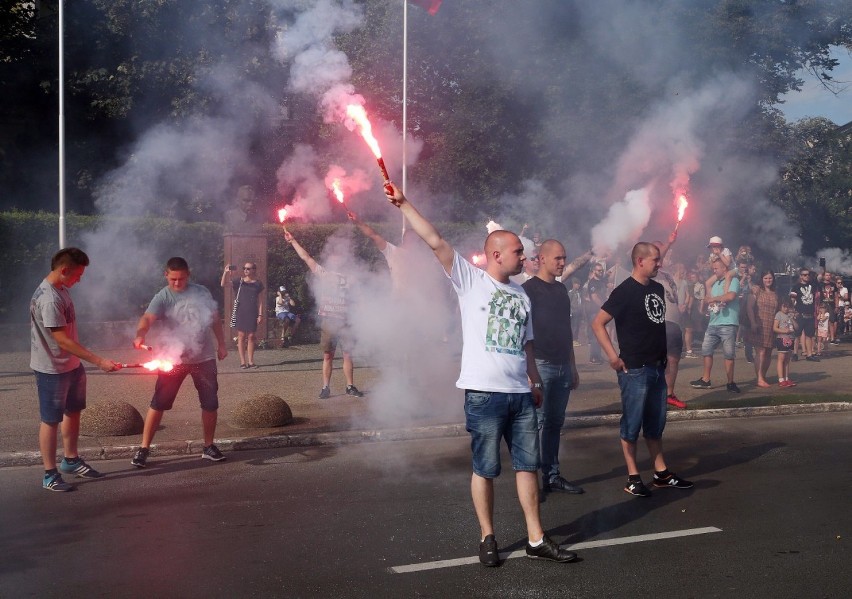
{"x": 212, "y": 453}
{"x": 140, "y": 460}
{"x": 671, "y": 482}
{"x": 699, "y": 384}
{"x": 637, "y": 488}
{"x": 353, "y": 391}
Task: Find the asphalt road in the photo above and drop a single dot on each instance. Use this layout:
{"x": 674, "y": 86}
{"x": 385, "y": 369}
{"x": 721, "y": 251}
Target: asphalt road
{"x": 335, "y": 522}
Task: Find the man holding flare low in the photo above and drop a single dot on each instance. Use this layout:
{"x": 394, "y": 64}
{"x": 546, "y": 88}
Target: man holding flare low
{"x": 499, "y": 375}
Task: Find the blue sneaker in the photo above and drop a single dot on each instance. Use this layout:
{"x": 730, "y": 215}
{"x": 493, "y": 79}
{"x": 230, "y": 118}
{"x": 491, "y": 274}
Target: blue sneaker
{"x": 54, "y": 482}
{"x": 80, "y": 468}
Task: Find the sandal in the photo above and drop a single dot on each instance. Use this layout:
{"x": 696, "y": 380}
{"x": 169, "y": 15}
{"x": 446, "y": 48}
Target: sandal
{"x": 243, "y": 367}
{"x": 252, "y": 366}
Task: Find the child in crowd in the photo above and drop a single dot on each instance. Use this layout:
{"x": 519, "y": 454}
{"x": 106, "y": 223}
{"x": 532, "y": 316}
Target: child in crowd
{"x": 823, "y": 320}
{"x": 784, "y": 328}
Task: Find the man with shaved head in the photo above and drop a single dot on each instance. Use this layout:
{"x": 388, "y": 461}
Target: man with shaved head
{"x": 639, "y": 311}
{"x": 554, "y": 358}
{"x": 498, "y": 374}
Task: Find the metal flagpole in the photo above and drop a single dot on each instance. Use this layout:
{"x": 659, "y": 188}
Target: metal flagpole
{"x": 404, "y": 96}
{"x": 61, "y": 125}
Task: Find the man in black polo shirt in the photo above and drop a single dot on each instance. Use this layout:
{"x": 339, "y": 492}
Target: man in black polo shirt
{"x": 553, "y": 348}
{"x": 639, "y": 310}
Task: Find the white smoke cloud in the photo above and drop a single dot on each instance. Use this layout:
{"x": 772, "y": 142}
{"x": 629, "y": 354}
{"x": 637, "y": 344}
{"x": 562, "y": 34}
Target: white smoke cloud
{"x": 623, "y": 224}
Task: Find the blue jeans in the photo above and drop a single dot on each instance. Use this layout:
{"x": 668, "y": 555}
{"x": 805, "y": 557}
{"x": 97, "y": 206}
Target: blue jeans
{"x": 556, "y": 382}
{"x": 60, "y": 394}
{"x": 490, "y": 417}
{"x": 726, "y": 334}
{"x": 643, "y": 402}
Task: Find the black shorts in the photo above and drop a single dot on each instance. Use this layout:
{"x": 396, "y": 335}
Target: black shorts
{"x": 807, "y": 326}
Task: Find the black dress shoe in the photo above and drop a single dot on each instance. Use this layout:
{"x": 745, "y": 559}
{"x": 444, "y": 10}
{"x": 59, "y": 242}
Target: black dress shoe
{"x": 550, "y": 551}
{"x": 557, "y": 483}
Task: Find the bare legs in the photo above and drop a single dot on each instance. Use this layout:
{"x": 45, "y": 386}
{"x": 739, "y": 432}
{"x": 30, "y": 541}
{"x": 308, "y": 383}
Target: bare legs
{"x": 761, "y": 364}
{"x": 482, "y": 492}
{"x": 70, "y": 429}
{"x": 655, "y": 449}
{"x": 245, "y": 347}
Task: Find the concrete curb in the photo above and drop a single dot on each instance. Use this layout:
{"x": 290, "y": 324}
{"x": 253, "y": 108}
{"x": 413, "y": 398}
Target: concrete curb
{"x": 339, "y": 438}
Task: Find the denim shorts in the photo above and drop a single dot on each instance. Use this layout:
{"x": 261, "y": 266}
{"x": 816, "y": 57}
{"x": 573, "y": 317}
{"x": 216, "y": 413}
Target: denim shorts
{"x": 643, "y": 402}
{"x": 726, "y": 334}
{"x": 60, "y": 394}
{"x": 490, "y": 417}
{"x": 203, "y": 377}
{"x": 674, "y": 339}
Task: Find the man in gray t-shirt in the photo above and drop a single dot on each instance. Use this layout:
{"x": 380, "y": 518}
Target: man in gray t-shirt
{"x": 55, "y": 354}
{"x": 189, "y": 319}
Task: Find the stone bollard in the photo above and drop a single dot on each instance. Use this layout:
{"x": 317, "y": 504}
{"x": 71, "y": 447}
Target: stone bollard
{"x": 261, "y": 411}
{"x": 110, "y": 418}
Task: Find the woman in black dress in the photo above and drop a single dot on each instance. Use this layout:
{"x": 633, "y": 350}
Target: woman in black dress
{"x": 248, "y": 294}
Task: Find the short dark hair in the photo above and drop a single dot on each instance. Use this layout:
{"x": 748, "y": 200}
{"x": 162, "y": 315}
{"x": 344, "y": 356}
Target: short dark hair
{"x": 177, "y": 263}
{"x": 69, "y": 257}
{"x": 642, "y": 250}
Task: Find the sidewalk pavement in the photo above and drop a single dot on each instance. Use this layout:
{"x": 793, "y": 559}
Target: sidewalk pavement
{"x": 395, "y": 406}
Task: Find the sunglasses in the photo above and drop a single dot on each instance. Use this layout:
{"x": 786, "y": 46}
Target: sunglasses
{"x": 249, "y": 268}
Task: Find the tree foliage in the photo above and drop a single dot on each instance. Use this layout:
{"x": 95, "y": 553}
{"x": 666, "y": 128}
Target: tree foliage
{"x": 487, "y": 123}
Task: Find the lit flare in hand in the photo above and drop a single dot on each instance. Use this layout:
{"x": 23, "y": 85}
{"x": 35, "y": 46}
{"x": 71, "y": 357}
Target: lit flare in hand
{"x": 163, "y": 365}
{"x": 337, "y": 190}
{"x": 358, "y": 115}
{"x": 682, "y": 203}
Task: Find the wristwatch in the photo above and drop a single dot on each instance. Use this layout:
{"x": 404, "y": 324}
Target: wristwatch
{"x": 536, "y": 385}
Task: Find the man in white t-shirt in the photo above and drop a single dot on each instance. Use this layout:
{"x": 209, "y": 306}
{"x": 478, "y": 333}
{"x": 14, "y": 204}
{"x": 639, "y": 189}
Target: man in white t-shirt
{"x": 497, "y": 372}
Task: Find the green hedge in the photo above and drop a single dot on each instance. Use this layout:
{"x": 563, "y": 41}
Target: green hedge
{"x": 28, "y": 240}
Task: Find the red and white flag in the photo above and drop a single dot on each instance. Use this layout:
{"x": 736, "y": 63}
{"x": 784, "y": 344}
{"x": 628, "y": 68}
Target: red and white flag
{"x": 431, "y": 6}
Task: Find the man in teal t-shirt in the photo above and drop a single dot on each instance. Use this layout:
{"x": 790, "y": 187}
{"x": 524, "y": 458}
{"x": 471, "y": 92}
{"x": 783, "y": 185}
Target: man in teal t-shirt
{"x": 722, "y": 292}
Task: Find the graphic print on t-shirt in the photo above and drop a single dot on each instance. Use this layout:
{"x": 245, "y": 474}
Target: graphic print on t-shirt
{"x": 506, "y": 317}
{"x": 806, "y": 295}
{"x": 655, "y": 308}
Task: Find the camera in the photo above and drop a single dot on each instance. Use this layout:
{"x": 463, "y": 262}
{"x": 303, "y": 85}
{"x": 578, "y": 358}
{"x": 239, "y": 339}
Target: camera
{"x": 232, "y": 267}
{"x": 822, "y": 262}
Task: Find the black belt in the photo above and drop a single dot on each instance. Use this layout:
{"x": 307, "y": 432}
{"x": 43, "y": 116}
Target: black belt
{"x": 657, "y": 364}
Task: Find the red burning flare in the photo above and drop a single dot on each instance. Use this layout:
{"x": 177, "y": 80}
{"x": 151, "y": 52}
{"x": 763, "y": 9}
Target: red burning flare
{"x": 163, "y": 365}
{"x": 682, "y": 203}
{"x": 336, "y": 190}
{"x": 478, "y": 260}
{"x": 358, "y": 115}
{"x": 282, "y": 214}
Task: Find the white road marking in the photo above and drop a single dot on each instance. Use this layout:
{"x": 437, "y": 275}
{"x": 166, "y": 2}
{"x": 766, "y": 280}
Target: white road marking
{"x": 463, "y": 561}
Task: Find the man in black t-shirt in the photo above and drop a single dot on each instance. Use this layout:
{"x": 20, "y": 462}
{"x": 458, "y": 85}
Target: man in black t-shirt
{"x": 639, "y": 311}
{"x": 805, "y": 296}
{"x": 553, "y": 348}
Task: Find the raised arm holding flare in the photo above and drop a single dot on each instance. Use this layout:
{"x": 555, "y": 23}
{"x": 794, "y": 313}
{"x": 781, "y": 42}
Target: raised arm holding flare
{"x": 333, "y": 312}
{"x": 497, "y": 370}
